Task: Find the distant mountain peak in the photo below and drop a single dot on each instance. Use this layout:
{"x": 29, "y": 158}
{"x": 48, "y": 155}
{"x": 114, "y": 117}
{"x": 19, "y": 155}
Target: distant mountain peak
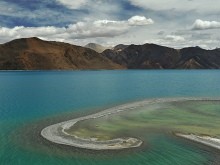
{"x": 97, "y": 47}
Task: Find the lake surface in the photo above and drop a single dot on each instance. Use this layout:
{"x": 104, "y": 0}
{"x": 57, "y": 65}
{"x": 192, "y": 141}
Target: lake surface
{"x": 30, "y": 101}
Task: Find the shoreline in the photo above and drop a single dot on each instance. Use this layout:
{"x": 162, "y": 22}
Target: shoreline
{"x": 56, "y": 133}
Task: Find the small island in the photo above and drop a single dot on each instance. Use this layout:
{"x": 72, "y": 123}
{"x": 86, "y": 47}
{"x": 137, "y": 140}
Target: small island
{"x": 116, "y": 128}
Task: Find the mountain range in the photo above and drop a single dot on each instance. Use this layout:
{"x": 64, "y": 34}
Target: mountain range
{"x": 36, "y": 54}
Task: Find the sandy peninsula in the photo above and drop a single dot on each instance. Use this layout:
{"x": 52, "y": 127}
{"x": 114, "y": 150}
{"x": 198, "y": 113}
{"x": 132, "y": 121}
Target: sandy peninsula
{"x": 56, "y": 133}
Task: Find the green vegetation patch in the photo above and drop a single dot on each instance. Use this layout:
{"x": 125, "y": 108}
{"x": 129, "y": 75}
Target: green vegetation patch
{"x": 200, "y": 117}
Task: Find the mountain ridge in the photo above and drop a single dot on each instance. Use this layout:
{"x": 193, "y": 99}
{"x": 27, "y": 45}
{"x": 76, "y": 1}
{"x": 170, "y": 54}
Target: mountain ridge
{"x": 36, "y": 54}
{"x": 152, "y": 56}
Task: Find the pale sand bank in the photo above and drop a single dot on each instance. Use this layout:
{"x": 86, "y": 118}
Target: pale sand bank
{"x": 56, "y": 133}
{"x": 206, "y": 140}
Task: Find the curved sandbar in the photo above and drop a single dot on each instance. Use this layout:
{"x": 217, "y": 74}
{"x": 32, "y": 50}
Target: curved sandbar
{"x": 206, "y": 140}
{"x": 56, "y": 133}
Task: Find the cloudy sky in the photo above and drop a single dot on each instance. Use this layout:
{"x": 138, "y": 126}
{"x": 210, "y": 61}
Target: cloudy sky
{"x": 175, "y": 23}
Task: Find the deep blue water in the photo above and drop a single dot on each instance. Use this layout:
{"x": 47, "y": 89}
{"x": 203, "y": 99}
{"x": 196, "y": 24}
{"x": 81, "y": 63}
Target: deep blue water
{"x": 30, "y": 96}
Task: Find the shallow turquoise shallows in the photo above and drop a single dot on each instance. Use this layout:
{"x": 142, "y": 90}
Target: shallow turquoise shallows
{"x": 31, "y": 100}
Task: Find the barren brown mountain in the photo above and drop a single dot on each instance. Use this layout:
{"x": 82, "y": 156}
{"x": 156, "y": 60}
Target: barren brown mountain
{"x": 36, "y": 54}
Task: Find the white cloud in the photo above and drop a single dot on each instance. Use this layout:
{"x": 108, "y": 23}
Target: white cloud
{"x": 103, "y": 21}
{"x": 183, "y": 5}
{"x": 106, "y": 28}
{"x": 73, "y": 4}
{"x": 203, "y": 25}
{"x": 139, "y": 21}
{"x": 174, "y": 38}
{"x": 207, "y": 44}
{"x": 100, "y": 28}
{"x": 21, "y": 31}
{"x": 79, "y": 30}
{"x": 96, "y": 8}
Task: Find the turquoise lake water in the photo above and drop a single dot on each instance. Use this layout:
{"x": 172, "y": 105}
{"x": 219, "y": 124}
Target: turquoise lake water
{"x": 30, "y": 101}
